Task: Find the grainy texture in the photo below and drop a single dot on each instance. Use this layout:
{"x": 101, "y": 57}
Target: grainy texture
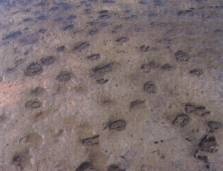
{"x": 111, "y": 85}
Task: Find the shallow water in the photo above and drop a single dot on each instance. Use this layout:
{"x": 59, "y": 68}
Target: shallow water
{"x": 111, "y": 85}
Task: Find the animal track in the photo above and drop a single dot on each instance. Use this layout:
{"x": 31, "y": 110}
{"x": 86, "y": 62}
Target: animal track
{"x": 64, "y": 76}
{"x": 33, "y": 69}
{"x": 147, "y": 67}
{"x": 86, "y": 166}
{"x": 122, "y": 39}
{"x": 114, "y": 167}
{"x": 149, "y": 87}
{"x": 94, "y": 56}
{"x": 117, "y": 125}
{"x": 12, "y": 35}
{"x": 94, "y": 140}
{"x": 48, "y": 60}
{"x": 182, "y": 56}
{"x": 181, "y": 120}
{"x": 37, "y": 91}
{"x": 196, "y": 72}
{"x": 196, "y": 109}
{"x": 214, "y": 125}
{"x": 208, "y": 144}
{"x": 80, "y": 46}
{"x": 33, "y": 104}
{"x": 21, "y": 159}
{"x": 135, "y": 103}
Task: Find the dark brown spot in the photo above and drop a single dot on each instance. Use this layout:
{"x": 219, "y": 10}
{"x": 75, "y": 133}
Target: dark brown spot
{"x": 64, "y": 76}
{"x": 32, "y": 69}
{"x": 149, "y": 87}
{"x": 33, "y": 104}
{"x": 91, "y": 140}
{"x": 181, "y": 120}
{"x": 48, "y": 60}
{"x": 118, "y": 125}
{"x": 182, "y": 56}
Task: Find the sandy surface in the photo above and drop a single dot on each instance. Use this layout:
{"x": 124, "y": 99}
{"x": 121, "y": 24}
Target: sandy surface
{"x": 111, "y": 85}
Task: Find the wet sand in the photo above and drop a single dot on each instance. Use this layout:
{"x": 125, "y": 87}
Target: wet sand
{"x": 111, "y": 85}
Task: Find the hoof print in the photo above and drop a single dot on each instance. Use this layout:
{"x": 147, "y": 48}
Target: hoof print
{"x": 117, "y": 125}
{"x": 181, "y": 56}
{"x": 33, "y": 69}
{"x": 48, "y": 60}
{"x": 33, "y": 104}
{"x": 80, "y": 46}
{"x": 86, "y": 166}
{"x": 115, "y": 167}
{"x": 196, "y": 109}
{"x": 94, "y": 140}
{"x": 181, "y": 120}
{"x": 149, "y": 87}
{"x": 214, "y": 125}
{"x": 208, "y": 144}
{"x": 64, "y": 76}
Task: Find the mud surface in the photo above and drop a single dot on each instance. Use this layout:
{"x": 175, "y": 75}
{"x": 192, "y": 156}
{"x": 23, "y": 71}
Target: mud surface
{"x": 111, "y": 85}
